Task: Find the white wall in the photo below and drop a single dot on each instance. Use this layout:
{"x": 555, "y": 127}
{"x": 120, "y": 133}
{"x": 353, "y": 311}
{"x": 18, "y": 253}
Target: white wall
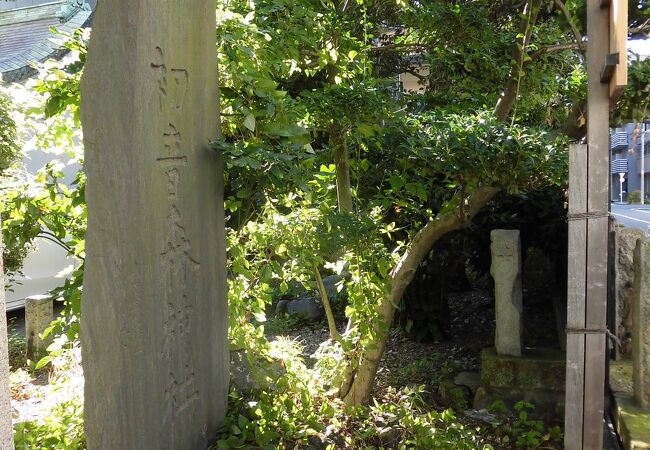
{"x": 46, "y": 267}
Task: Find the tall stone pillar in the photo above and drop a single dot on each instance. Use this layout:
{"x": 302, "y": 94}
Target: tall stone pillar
{"x": 6, "y": 429}
{"x": 641, "y": 323}
{"x": 506, "y": 271}
{"x": 154, "y": 313}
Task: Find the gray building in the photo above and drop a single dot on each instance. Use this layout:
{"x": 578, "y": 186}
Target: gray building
{"x": 25, "y": 36}
{"x": 629, "y": 159}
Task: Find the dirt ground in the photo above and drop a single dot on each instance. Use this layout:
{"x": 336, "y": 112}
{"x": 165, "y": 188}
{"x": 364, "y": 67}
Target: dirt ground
{"x": 435, "y": 364}
{"x": 405, "y": 362}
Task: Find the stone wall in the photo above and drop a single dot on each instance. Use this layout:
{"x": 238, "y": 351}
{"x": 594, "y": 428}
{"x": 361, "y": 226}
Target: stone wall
{"x": 641, "y": 324}
{"x": 6, "y": 430}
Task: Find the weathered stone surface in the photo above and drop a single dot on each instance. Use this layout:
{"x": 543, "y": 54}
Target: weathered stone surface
{"x": 470, "y": 379}
{"x": 6, "y": 430}
{"x": 641, "y": 330}
{"x": 308, "y": 308}
{"x": 154, "y": 329}
{"x": 624, "y": 244}
{"x": 246, "y": 377}
{"x": 538, "y": 377}
{"x": 332, "y": 284}
{"x": 39, "y": 312}
{"x": 506, "y": 271}
{"x": 632, "y": 422}
{"x": 538, "y": 369}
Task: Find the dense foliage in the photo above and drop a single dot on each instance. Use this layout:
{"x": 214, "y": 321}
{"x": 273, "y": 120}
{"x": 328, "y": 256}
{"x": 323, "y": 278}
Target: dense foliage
{"x": 12, "y": 257}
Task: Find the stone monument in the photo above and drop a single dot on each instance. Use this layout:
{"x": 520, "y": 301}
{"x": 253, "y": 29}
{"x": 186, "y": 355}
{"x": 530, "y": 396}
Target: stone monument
{"x": 506, "y": 271}
{"x": 6, "y": 429}
{"x": 154, "y": 328}
{"x": 641, "y": 324}
{"x": 624, "y": 244}
{"x": 39, "y": 312}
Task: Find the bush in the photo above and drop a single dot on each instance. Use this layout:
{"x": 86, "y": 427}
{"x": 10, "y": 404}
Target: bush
{"x": 12, "y": 256}
{"x": 17, "y": 350}
{"x": 63, "y": 428}
{"x": 8, "y": 134}
{"x": 634, "y": 197}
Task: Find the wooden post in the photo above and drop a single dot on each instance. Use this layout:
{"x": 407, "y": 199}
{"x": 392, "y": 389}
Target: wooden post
{"x": 589, "y": 231}
{"x": 575, "y": 347}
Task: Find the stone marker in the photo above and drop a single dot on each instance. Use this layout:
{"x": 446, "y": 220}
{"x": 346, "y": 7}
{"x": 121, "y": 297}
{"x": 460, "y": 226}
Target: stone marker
{"x": 154, "y": 328}
{"x": 6, "y": 429}
{"x": 624, "y": 244}
{"x": 39, "y": 312}
{"x": 506, "y": 271}
{"x": 641, "y": 324}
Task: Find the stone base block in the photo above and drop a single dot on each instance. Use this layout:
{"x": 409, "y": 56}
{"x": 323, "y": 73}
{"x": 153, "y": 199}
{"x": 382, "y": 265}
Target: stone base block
{"x": 631, "y": 421}
{"x": 536, "y": 377}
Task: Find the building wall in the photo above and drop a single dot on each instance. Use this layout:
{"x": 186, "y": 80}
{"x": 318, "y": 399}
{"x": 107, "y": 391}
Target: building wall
{"x": 632, "y": 154}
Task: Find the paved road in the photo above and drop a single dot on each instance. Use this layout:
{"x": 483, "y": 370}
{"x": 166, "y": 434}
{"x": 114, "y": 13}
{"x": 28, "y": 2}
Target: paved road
{"x": 633, "y": 216}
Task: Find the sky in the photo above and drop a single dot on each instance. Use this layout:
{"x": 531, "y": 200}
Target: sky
{"x": 640, "y": 46}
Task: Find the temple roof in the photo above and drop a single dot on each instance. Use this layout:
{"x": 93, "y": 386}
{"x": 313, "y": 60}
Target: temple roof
{"x": 25, "y": 36}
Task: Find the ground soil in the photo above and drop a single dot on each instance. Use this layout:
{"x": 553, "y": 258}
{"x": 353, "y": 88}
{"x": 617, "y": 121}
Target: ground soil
{"x": 432, "y": 364}
{"x": 405, "y": 362}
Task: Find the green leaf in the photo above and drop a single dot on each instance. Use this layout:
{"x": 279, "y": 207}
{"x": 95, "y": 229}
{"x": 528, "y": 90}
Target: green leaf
{"x": 249, "y": 121}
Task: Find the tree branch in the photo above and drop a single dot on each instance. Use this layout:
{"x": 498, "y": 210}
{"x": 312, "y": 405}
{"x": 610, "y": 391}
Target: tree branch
{"x": 328, "y": 308}
{"x": 397, "y": 47}
{"x": 510, "y": 92}
{"x": 574, "y": 29}
{"x": 643, "y": 29}
{"x": 552, "y": 49}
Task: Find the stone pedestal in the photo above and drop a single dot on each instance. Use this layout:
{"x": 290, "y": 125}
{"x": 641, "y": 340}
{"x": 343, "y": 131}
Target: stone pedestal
{"x": 506, "y": 271}
{"x": 632, "y": 423}
{"x": 154, "y": 328}
{"x": 538, "y": 377}
{"x": 6, "y": 429}
{"x": 641, "y": 324}
{"x": 39, "y": 312}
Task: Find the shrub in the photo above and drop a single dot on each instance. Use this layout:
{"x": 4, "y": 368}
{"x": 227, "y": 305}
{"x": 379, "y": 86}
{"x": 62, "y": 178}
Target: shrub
{"x": 634, "y": 197}
{"x": 63, "y": 428}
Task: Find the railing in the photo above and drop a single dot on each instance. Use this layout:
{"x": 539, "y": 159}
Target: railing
{"x": 619, "y": 165}
{"x": 619, "y": 139}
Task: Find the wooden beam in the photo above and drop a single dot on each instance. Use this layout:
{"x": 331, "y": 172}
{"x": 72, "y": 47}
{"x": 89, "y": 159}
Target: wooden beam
{"x": 605, "y": 3}
{"x": 618, "y": 44}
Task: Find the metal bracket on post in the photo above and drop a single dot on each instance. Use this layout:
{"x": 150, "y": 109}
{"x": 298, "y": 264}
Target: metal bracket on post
{"x": 607, "y": 72}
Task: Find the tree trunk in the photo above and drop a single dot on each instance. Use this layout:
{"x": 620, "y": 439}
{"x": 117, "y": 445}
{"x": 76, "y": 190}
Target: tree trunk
{"x": 511, "y": 90}
{"x": 342, "y": 163}
{"x": 402, "y": 275}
